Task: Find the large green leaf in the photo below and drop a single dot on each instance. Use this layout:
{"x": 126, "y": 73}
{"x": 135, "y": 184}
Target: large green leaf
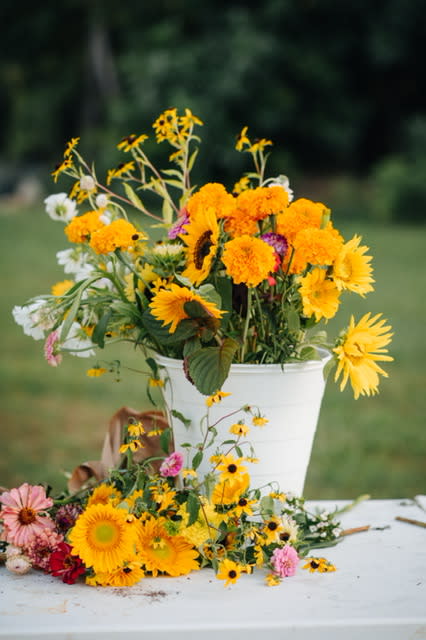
{"x": 209, "y": 367}
{"x": 186, "y": 329}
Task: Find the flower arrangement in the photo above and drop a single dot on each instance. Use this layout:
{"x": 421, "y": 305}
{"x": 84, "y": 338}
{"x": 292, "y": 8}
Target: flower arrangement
{"x": 154, "y": 516}
{"x": 246, "y": 276}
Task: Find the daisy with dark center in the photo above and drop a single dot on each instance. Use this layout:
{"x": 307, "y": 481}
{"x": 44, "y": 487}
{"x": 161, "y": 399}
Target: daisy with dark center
{"x": 318, "y": 564}
{"x": 272, "y": 529}
{"x": 229, "y": 571}
{"x": 201, "y": 238}
{"x": 230, "y": 468}
{"x": 168, "y": 305}
{"x": 131, "y": 142}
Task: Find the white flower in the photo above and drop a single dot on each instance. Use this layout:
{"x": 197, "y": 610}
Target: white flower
{"x": 18, "y": 564}
{"x": 166, "y": 249}
{"x": 87, "y": 183}
{"x": 60, "y": 207}
{"x": 77, "y": 342}
{"x": 313, "y": 528}
{"x": 337, "y": 531}
{"x": 11, "y": 550}
{"x": 76, "y": 262}
{"x": 101, "y": 201}
{"x": 281, "y": 181}
{"x": 35, "y": 318}
{"x": 106, "y": 217}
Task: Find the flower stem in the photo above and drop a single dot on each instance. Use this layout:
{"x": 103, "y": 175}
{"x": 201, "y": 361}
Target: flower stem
{"x": 246, "y": 323}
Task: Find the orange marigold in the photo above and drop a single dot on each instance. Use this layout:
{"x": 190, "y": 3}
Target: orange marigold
{"x": 301, "y": 214}
{"x": 81, "y": 227}
{"x": 212, "y": 195}
{"x": 248, "y": 260}
{"x": 262, "y": 202}
{"x": 316, "y": 247}
{"x": 120, "y": 234}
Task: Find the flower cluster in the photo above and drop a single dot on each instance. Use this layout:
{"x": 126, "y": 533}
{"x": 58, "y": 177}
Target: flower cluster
{"x": 243, "y": 274}
{"x": 158, "y": 517}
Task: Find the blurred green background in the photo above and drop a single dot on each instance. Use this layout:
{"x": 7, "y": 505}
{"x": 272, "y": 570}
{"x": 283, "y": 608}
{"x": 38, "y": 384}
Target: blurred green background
{"x": 337, "y": 86}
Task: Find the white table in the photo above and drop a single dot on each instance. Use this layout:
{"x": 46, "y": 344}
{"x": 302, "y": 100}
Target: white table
{"x": 378, "y": 592}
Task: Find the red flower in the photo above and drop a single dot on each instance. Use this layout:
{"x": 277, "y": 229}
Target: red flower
{"x": 64, "y": 565}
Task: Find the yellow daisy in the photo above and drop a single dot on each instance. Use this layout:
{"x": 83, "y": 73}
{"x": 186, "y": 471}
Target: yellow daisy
{"x": 320, "y": 295}
{"x": 225, "y": 493}
{"x": 239, "y": 429}
{"x": 230, "y": 468}
{"x": 201, "y": 238}
{"x": 229, "y": 571}
{"x": 362, "y": 346}
{"x": 61, "y": 288}
{"x": 162, "y": 553}
{"x": 102, "y": 537}
{"x": 352, "y": 269}
{"x": 105, "y": 494}
{"x": 168, "y": 305}
{"x": 217, "y": 397}
{"x": 126, "y": 575}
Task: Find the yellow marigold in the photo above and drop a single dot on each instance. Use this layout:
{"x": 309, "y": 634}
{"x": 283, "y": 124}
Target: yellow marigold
{"x": 81, "y": 227}
{"x": 320, "y": 296}
{"x": 212, "y": 195}
{"x": 318, "y": 247}
{"x": 248, "y": 260}
{"x": 120, "y": 234}
{"x": 359, "y": 351}
{"x": 300, "y": 214}
{"x": 352, "y": 269}
{"x": 60, "y": 288}
{"x": 168, "y": 305}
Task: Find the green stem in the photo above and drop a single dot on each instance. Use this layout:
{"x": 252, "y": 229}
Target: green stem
{"x": 246, "y": 323}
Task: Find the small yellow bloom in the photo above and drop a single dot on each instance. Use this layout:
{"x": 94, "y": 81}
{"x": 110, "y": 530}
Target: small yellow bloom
{"x": 135, "y": 429}
{"x": 259, "y": 421}
{"x": 189, "y": 473}
{"x": 239, "y": 429}
{"x": 318, "y": 564}
{"x": 132, "y": 446}
{"x": 272, "y": 580}
{"x": 70, "y": 146}
{"x": 61, "y": 168}
{"x": 229, "y": 571}
{"x": 130, "y": 142}
{"x": 156, "y": 382}
{"x": 96, "y": 372}
{"x": 231, "y": 468}
{"x": 124, "y": 167}
{"x": 61, "y": 288}
{"x": 242, "y": 139}
{"x": 215, "y": 398}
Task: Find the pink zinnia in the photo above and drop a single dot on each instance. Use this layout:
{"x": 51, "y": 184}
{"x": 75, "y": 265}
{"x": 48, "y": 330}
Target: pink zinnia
{"x": 284, "y": 561}
{"x": 51, "y": 349}
{"x": 41, "y": 548}
{"x": 172, "y": 464}
{"x": 179, "y": 226}
{"x": 22, "y": 514}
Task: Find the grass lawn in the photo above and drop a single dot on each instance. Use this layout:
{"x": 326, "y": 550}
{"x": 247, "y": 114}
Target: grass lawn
{"x": 53, "y": 419}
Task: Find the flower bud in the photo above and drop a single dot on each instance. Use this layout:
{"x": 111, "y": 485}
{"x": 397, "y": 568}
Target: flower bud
{"x": 101, "y": 201}
{"x": 18, "y": 564}
{"x": 87, "y": 183}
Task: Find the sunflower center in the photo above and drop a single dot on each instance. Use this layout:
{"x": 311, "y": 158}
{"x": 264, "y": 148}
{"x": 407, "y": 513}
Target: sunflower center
{"x": 27, "y": 515}
{"x": 285, "y": 536}
{"x": 242, "y": 502}
{"x": 232, "y": 574}
{"x": 232, "y": 468}
{"x": 202, "y": 248}
{"x": 314, "y": 564}
{"x": 105, "y": 534}
{"x": 272, "y": 526}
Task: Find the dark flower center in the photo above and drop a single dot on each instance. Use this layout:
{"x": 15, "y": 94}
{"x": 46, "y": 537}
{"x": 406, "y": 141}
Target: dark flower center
{"x": 242, "y": 502}
{"x": 27, "y": 516}
{"x": 285, "y": 536}
{"x": 127, "y": 570}
{"x": 232, "y": 573}
{"x": 272, "y": 526}
{"x": 202, "y": 248}
{"x": 314, "y": 564}
{"x": 232, "y": 468}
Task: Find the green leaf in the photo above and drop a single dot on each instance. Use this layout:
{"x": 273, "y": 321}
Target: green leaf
{"x": 133, "y": 197}
{"x": 98, "y": 336}
{"x": 193, "y": 507}
{"x": 209, "y": 366}
{"x": 293, "y": 320}
{"x": 165, "y": 438}
{"x": 197, "y": 459}
{"x": 186, "y": 329}
{"x": 181, "y": 417}
{"x": 167, "y": 211}
{"x": 192, "y": 159}
{"x": 266, "y": 506}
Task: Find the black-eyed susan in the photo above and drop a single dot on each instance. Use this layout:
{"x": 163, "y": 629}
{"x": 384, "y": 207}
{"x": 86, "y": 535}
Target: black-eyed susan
{"x": 96, "y": 372}
{"x": 239, "y": 429}
{"x": 229, "y": 571}
{"x": 168, "y": 305}
{"x": 231, "y": 468}
{"x": 272, "y": 529}
{"x": 318, "y": 564}
{"x": 162, "y": 553}
{"x": 217, "y": 397}
{"x": 362, "y": 346}
{"x": 102, "y": 537}
{"x": 126, "y": 575}
{"x": 259, "y": 421}
{"x": 131, "y": 142}
{"x": 226, "y": 493}
{"x": 201, "y": 239}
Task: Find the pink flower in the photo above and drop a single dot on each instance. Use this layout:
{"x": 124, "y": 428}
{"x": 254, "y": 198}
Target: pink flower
{"x": 51, "y": 349}
{"x": 284, "y": 561}
{"x": 179, "y": 226}
{"x": 41, "y": 547}
{"x": 22, "y": 514}
{"x": 172, "y": 464}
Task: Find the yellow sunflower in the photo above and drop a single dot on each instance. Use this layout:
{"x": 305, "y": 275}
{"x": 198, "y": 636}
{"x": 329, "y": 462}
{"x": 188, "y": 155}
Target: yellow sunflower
{"x": 105, "y": 494}
{"x": 225, "y": 492}
{"x": 162, "y": 553}
{"x": 168, "y": 305}
{"x": 248, "y": 260}
{"x": 320, "y": 295}
{"x": 352, "y": 269}
{"x": 361, "y": 348}
{"x": 103, "y": 538}
{"x": 201, "y": 239}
